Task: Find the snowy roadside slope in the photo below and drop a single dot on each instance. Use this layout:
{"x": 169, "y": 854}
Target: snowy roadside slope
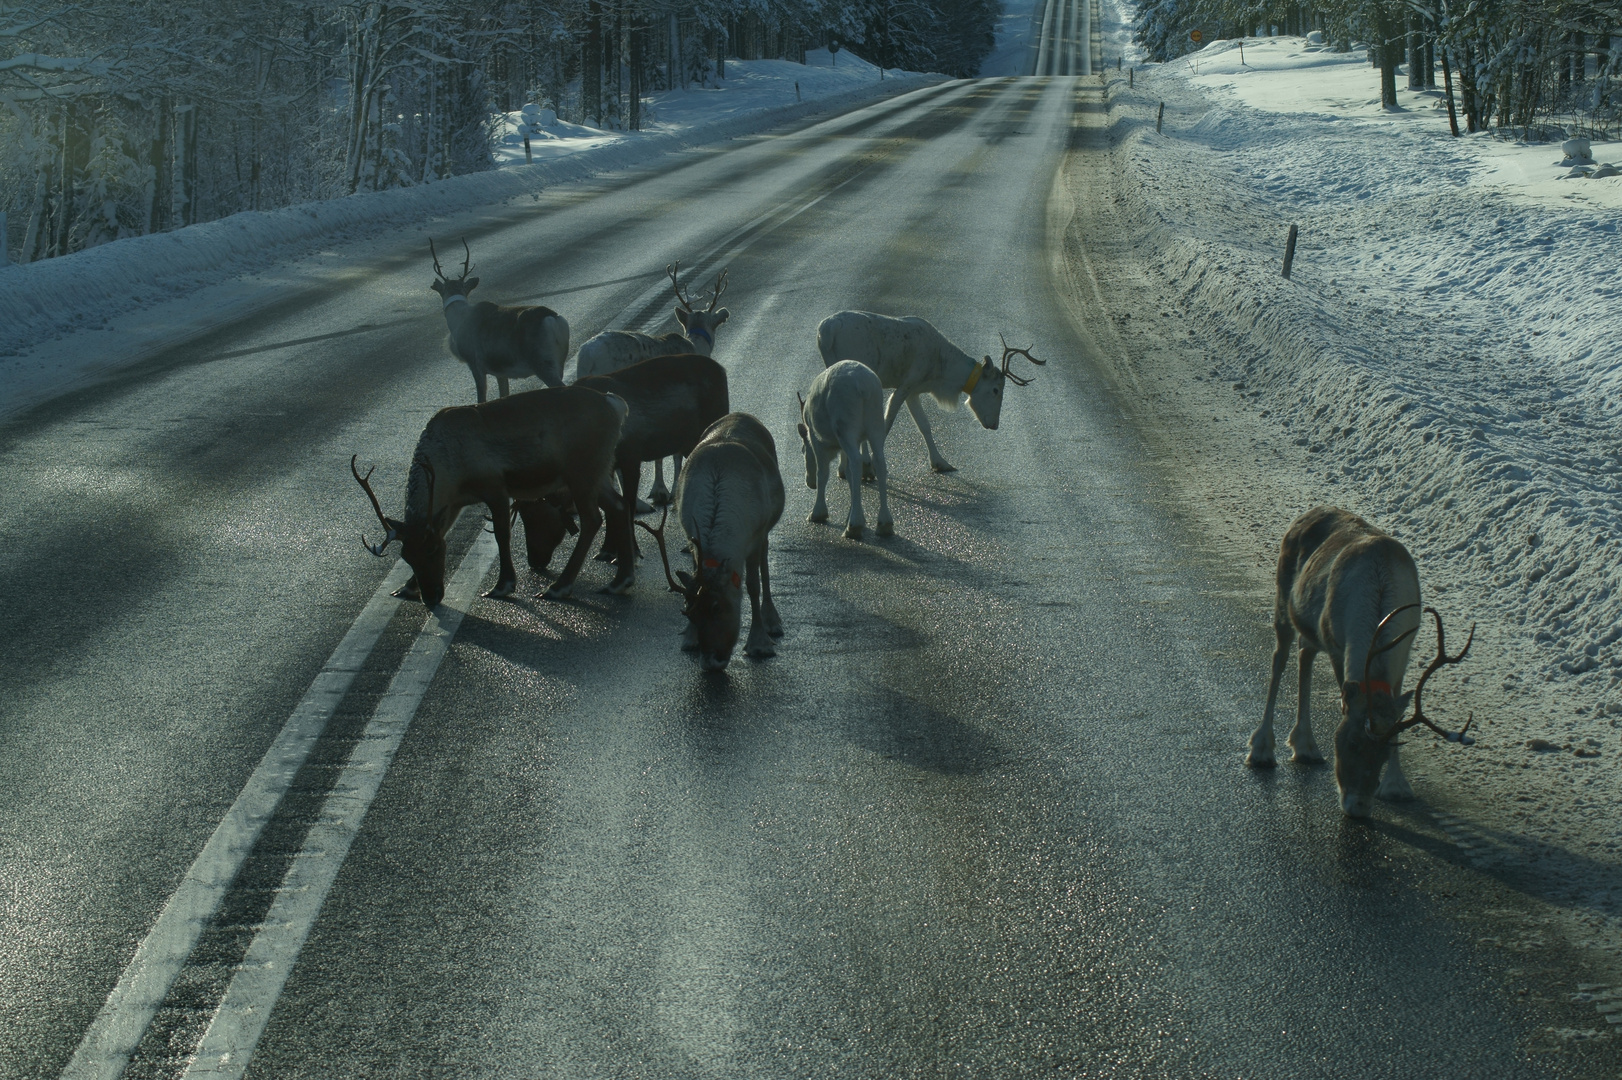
{"x": 1449, "y": 349}
{"x": 45, "y": 300}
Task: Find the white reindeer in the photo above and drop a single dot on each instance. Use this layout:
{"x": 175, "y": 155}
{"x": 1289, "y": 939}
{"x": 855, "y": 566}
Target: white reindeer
{"x": 1342, "y": 584}
{"x": 913, "y": 358}
{"x": 500, "y": 341}
{"x": 728, "y": 499}
{"x": 844, "y": 412}
{"x": 615, "y": 349}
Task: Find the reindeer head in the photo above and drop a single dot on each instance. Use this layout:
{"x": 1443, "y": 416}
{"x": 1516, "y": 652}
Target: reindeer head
{"x": 699, "y": 326}
{"x": 1371, "y": 715}
{"x": 421, "y": 545}
{"x": 714, "y": 601}
{"x": 453, "y": 291}
{"x": 985, "y": 386}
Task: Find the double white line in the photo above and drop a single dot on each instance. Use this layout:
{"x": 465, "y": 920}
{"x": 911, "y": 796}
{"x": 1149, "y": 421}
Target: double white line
{"x": 229, "y": 1042}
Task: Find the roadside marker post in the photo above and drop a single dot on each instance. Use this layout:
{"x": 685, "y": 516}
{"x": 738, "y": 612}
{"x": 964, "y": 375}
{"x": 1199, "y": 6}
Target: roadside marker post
{"x": 1160, "y": 117}
{"x": 1289, "y": 253}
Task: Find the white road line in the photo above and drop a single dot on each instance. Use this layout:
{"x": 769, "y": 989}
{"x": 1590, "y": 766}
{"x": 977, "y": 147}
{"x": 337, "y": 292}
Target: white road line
{"x": 229, "y": 1043}
{"x": 117, "y": 1029}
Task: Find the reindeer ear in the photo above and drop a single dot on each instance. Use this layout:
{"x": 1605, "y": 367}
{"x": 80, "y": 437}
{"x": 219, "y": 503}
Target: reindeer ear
{"x": 437, "y": 286}
{"x": 681, "y": 317}
{"x": 721, "y": 316}
{"x": 686, "y": 580}
{"x": 989, "y": 366}
{"x": 1404, "y": 701}
{"x": 472, "y": 283}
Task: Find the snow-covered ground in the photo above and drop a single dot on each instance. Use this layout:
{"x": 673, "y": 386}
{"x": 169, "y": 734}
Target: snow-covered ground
{"x": 117, "y": 301}
{"x": 1445, "y": 360}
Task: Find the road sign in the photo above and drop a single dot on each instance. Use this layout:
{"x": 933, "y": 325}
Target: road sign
{"x": 1195, "y": 36}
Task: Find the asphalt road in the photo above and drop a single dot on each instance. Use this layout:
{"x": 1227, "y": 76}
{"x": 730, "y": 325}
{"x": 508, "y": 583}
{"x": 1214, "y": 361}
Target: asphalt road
{"x": 983, "y": 815}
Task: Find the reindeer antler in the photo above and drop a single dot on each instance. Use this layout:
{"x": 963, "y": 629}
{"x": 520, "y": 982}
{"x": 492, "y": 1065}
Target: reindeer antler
{"x": 1388, "y": 646}
{"x": 673, "y": 269}
{"x": 467, "y": 259}
{"x": 1008, "y": 354}
{"x": 719, "y": 288}
{"x": 659, "y": 535}
{"x": 389, "y": 533}
{"x": 440, "y": 274}
{"x": 1442, "y": 659}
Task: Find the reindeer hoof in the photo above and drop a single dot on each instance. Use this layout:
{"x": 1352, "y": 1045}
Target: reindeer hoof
{"x": 886, "y": 528}
{"x": 619, "y": 587}
{"x": 658, "y": 497}
{"x": 407, "y": 592}
{"x": 1306, "y": 755}
{"x": 642, "y": 506}
{"x": 942, "y": 467}
{"x": 816, "y": 518}
{"x": 557, "y": 592}
{"x": 1261, "y": 755}
{"x": 868, "y": 476}
{"x": 1399, "y": 792}
{"x": 502, "y": 590}
{"x": 853, "y": 532}
{"x": 761, "y": 651}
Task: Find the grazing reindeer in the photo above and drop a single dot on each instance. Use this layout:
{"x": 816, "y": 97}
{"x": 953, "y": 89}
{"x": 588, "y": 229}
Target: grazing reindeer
{"x": 672, "y": 399}
{"x": 913, "y": 358}
{"x": 525, "y": 447}
{"x": 1342, "y": 584}
{"x": 728, "y": 500}
{"x": 844, "y": 412}
{"x": 500, "y": 341}
{"x": 615, "y": 349}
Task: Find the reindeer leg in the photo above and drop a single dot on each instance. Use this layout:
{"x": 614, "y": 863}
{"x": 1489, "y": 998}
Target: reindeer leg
{"x": 625, "y": 565}
{"x": 1304, "y": 747}
{"x": 478, "y": 380}
{"x": 1394, "y": 785}
{"x": 501, "y": 384}
{"x": 768, "y": 610}
{"x": 1262, "y": 742}
{"x": 881, "y": 470}
{"x": 825, "y": 458}
{"x": 501, "y": 522}
{"x": 936, "y": 461}
{"x": 855, "y": 521}
{"x": 659, "y": 495}
{"x": 585, "y": 503}
{"x": 760, "y": 644}
{"x": 543, "y": 532}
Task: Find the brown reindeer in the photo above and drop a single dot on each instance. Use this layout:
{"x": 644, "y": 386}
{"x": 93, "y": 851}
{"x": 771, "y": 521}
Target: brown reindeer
{"x": 501, "y": 341}
{"x": 672, "y": 399}
{"x": 1342, "y": 586}
{"x": 524, "y": 448}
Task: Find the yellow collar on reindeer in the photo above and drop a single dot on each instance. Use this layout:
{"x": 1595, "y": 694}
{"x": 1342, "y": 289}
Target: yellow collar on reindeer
{"x": 974, "y": 379}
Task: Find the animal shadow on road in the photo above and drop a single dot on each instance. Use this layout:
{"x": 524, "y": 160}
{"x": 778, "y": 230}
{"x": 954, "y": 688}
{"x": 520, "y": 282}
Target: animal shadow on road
{"x": 1534, "y": 868}
{"x": 908, "y": 732}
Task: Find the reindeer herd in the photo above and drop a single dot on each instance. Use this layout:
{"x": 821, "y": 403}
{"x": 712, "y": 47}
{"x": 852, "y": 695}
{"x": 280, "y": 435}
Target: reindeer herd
{"x": 565, "y": 458}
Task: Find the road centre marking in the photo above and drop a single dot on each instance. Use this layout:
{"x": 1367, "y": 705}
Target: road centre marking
{"x": 117, "y": 1030}
{"x": 229, "y": 1043}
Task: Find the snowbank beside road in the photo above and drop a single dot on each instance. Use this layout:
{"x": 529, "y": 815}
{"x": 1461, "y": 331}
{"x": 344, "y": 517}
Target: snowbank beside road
{"x": 1446, "y": 360}
{"x": 47, "y": 299}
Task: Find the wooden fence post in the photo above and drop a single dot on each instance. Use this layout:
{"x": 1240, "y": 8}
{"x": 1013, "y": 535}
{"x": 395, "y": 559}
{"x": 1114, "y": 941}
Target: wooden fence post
{"x": 1289, "y": 253}
{"x": 1160, "y": 118}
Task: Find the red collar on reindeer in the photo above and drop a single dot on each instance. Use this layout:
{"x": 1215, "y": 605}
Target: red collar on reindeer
{"x": 1373, "y": 685}
{"x": 715, "y": 564}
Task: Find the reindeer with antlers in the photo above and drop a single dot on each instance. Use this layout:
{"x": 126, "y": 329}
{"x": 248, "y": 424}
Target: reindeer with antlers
{"x": 615, "y": 349}
{"x": 1342, "y": 586}
{"x": 527, "y": 449}
{"x": 913, "y": 358}
{"x": 729, "y": 498}
{"x": 507, "y": 342}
